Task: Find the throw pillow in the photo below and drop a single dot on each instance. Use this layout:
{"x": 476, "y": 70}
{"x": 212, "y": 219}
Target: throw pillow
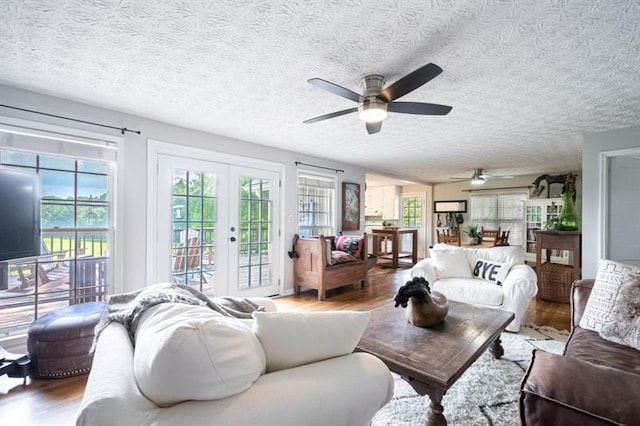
{"x": 451, "y": 263}
{"x": 491, "y": 271}
{"x": 351, "y": 245}
{"x": 605, "y": 289}
{"x": 623, "y": 323}
{"x": 187, "y": 352}
{"x": 338, "y": 257}
{"x": 291, "y": 339}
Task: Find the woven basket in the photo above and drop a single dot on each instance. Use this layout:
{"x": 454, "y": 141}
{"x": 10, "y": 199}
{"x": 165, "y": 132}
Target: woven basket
{"x": 554, "y": 282}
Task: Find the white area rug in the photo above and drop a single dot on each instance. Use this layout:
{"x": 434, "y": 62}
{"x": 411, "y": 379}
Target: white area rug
{"x": 486, "y": 394}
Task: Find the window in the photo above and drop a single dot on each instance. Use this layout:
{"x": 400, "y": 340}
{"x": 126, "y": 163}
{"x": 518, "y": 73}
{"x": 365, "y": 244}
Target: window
{"x": 500, "y": 210}
{"x": 76, "y": 227}
{"x": 412, "y": 212}
{"x": 316, "y": 204}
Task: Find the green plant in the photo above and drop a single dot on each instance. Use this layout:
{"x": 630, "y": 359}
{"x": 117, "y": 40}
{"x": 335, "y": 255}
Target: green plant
{"x": 472, "y": 232}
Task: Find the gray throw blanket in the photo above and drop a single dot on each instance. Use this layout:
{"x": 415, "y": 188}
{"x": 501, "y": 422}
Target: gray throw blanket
{"x": 128, "y": 308}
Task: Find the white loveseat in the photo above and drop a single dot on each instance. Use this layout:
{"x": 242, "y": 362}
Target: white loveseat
{"x": 302, "y": 371}
{"x": 495, "y": 277}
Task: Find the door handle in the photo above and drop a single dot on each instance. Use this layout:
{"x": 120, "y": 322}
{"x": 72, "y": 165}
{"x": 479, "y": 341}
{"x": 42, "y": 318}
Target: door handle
{"x": 232, "y": 239}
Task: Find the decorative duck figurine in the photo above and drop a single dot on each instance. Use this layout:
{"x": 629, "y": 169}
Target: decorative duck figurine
{"x": 424, "y": 308}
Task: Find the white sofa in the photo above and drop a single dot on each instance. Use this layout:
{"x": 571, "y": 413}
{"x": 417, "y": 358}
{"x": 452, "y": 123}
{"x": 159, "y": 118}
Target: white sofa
{"x": 309, "y": 374}
{"x": 501, "y": 280}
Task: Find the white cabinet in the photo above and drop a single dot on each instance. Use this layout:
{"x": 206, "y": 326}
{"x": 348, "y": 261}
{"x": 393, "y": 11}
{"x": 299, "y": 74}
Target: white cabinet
{"x": 536, "y": 215}
{"x": 383, "y": 201}
{"x": 391, "y": 202}
{"x": 373, "y": 201}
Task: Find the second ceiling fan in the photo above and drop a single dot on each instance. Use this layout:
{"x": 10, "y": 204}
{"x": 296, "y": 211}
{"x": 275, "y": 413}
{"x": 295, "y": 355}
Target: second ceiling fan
{"x": 479, "y": 177}
{"x": 375, "y": 102}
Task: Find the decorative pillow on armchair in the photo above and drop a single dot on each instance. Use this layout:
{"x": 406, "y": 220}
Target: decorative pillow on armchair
{"x": 450, "y": 263}
{"x": 490, "y": 271}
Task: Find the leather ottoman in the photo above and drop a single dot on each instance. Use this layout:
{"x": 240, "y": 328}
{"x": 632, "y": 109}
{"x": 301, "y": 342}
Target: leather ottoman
{"x": 59, "y": 342}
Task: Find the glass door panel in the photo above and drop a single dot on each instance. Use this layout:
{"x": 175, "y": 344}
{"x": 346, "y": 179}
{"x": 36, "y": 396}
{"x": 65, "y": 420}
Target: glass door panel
{"x": 253, "y": 232}
{"x": 189, "y": 193}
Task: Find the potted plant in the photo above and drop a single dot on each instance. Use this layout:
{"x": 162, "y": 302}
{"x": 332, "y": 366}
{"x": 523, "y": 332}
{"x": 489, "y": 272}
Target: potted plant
{"x": 474, "y": 234}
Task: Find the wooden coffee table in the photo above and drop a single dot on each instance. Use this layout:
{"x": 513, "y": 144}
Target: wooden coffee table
{"x": 432, "y": 359}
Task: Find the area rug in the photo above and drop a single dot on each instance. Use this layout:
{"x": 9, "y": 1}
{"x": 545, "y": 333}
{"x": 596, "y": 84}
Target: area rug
{"x": 486, "y": 394}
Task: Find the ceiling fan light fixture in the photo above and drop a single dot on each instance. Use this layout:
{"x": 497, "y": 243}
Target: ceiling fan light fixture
{"x": 477, "y": 180}
{"x": 372, "y": 110}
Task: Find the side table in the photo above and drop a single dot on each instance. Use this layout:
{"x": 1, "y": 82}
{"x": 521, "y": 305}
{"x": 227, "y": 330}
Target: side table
{"x": 554, "y": 279}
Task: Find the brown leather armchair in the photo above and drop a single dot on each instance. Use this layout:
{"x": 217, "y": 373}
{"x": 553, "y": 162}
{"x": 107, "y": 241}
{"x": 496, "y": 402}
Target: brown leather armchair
{"x": 595, "y": 381}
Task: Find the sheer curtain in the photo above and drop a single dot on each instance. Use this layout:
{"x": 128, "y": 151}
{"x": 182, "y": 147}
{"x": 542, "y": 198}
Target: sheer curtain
{"x": 500, "y": 210}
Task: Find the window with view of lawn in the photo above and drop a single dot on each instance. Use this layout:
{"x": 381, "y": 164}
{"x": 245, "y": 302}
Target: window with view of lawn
{"x": 76, "y": 229}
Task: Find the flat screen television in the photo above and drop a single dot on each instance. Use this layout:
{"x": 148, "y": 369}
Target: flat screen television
{"x": 19, "y": 214}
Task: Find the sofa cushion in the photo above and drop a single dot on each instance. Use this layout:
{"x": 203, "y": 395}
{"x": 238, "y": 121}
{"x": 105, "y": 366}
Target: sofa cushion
{"x": 450, "y": 262}
{"x": 603, "y": 295}
{"x": 470, "y": 290}
{"x": 623, "y": 323}
{"x": 338, "y": 257}
{"x": 291, "y": 339}
{"x": 588, "y": 346}
{"x": 489, "y": 270}
{"x": 186, "y": 352}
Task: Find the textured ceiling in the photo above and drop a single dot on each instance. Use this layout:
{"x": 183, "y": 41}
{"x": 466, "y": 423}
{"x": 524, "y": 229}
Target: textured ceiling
{"x": 525, "y": 78}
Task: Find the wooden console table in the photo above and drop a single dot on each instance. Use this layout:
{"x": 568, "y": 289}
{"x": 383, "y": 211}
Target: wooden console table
{"x": 554, "y": 280}
{"x": 394, "y": 236}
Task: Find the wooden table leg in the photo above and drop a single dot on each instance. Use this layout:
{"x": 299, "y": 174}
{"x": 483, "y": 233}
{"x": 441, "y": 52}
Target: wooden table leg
{"x": 435, "y": 416}
{"x": 496, "y": 348}
{"x": 395, "y": 250}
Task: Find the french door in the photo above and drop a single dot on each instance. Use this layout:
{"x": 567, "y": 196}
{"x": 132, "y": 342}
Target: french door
{"x": 217, "y": 227}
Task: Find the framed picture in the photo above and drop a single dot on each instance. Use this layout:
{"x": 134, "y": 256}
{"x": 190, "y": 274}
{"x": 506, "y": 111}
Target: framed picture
{"x": 458, "y": 206}
{"x": 350, "y": 206}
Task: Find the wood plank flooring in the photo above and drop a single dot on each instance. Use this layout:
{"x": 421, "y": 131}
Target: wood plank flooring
{"x": 55, "y": 402}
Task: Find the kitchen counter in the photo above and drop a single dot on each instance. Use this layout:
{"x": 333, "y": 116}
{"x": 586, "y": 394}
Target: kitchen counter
{"x": 382, "y": 235}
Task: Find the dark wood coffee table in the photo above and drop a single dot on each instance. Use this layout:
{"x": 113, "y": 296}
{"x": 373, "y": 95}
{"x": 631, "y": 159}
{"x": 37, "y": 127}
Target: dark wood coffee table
{"x": 432, "y": 359}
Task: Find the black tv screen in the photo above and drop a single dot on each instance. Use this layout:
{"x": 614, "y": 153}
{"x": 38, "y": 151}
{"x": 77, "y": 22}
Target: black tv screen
{"x": 19, "y": 214}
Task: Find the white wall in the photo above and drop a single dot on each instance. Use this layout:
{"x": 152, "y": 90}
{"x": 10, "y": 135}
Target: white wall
{"x": 131, "y": 273}
{"x": 593, "y": 145}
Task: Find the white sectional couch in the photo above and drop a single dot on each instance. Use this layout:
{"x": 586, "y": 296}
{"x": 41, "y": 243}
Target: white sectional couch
{"x": 495, "y": 277}
{"x": 281, "y": 368}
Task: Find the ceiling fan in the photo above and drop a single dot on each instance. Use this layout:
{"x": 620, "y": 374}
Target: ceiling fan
{"x": 375, "y": 102}
{"x": 479, "y": 177}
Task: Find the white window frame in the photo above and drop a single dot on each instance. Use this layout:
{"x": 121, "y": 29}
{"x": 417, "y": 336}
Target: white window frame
{"x": 334, "y": 201}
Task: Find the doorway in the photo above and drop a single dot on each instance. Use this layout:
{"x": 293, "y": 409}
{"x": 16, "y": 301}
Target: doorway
{"x": 217, "y": 225}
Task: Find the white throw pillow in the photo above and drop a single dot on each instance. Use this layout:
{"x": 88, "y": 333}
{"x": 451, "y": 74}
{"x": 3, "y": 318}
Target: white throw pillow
{"x": 603, "y": 295}
{"x": 450, "y": 263}
{"x": 188, "y": 352}
{"x": 291, "y": 339}
{"x": 490, "y": 271}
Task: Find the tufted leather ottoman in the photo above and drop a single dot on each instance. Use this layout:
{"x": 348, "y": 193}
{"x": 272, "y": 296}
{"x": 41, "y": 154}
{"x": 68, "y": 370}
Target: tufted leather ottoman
{"x": 59, "y": 342}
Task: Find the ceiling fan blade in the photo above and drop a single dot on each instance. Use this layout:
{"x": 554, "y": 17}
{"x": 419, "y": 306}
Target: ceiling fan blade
{"x": 330, "y": 115}
{"x": 335, "y": 89}
{"x": 374, "y": 127}
{"x": 418, "y": 108}
{"x": 410, "y": 82}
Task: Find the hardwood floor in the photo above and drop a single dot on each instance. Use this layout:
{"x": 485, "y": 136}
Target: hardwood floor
{"x": 55, "y": 402}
